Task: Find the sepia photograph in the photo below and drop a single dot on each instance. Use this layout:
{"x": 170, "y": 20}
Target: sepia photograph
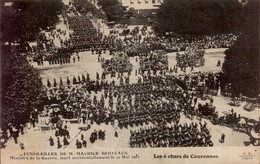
{"x": 133, "y": 75}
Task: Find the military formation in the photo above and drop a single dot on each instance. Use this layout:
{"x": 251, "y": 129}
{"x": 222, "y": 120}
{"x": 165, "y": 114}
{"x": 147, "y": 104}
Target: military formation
{"x": 150, "y": 106}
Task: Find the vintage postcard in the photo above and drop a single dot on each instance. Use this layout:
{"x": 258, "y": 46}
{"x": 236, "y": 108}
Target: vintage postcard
{"x": 130, "y": 81}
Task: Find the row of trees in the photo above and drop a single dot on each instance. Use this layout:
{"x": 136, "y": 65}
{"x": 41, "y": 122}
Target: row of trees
{"x": 21, "y": 86}
{"x": 199, "y": 17}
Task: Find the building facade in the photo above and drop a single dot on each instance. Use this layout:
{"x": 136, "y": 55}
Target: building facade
{"x": 141, "y": 4}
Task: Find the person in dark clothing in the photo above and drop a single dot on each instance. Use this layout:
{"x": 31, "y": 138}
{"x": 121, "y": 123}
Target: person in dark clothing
{"x": 15, "y": 136}
{"x": 116, "y": 134}
{"x": 219, "y": 63}
{"x": 65, "y": 141}
{"x": 84, "y": 118}
{"x": 78, "y": 144}
{"x": 57, "y": 133}
{"x": 84, "y": 143}
{"x": 99, "y": 134}
{"x": 22, "y": 146}
{"x": 222, "y": 140}
{"x": 22, "y": 129}
{"x": 195, "y": 100}
{"x": 58, "y": 143}
{"x": 67, "y": 133}
{"x": 51, "y": 141}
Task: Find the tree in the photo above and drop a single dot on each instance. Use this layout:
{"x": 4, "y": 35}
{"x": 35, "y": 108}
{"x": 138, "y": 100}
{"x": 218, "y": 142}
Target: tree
{"x": 23, "y": 21}
{"x": 113, "y": 9}
{"x": 85, "y": 6}
{"x": 198, "y": 17}
{"x": 22, "y": 88}
{"x": 241, "y": 66}
{"x": 114, "y": 13}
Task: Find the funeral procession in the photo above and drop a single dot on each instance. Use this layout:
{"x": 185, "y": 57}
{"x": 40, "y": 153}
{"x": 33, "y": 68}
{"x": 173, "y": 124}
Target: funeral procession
{"x": 80, "y": 74}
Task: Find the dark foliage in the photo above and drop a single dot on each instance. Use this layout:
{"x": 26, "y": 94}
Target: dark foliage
{"x": 21, "y": 87}
{"x": 23, "y": 20}
{"x": 241, "y": 67}
{"x": 198, "y": 17}
{"x": 113, "y": 9}
{"x": 84, "y": 6}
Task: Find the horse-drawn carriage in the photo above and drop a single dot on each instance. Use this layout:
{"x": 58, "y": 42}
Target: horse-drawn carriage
{"x": 209, "y": 112}
{"x": 229, "y": 119}
{"x": 245, "y": 125}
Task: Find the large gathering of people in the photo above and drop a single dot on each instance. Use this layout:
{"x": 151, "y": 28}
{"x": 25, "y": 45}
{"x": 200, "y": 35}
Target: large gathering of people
{"x": 150, "y": 101}
{"x": 119, "y": 63}
{"x": 84, "y": 36}
{"x": 150, "y": 106}
{"x": 155, "y": 61}
{"x": 173, "y": 136}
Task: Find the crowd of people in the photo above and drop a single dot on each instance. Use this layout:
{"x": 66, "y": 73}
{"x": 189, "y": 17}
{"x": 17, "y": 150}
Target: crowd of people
{"x": 172, "y": 136}
{"x": 153, "y": 104}
{"x": 45, "y": 49}
{"x": 84, "y": 36}
{"x": 182, "y": 43}
{"x": 155, "y": 61}
{"x": 150, "y": 101}
{"x": 118, "y": 63}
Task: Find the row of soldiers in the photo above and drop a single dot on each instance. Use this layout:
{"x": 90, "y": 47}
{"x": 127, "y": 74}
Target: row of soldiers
{"x": 172, "y": 136}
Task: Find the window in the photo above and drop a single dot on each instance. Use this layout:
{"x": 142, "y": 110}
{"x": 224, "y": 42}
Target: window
{"x": 146, "y": 1}
{"x": 153, "y": 1}
{"x": 132, "y": 1}
{"x": 139, "y": 1}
